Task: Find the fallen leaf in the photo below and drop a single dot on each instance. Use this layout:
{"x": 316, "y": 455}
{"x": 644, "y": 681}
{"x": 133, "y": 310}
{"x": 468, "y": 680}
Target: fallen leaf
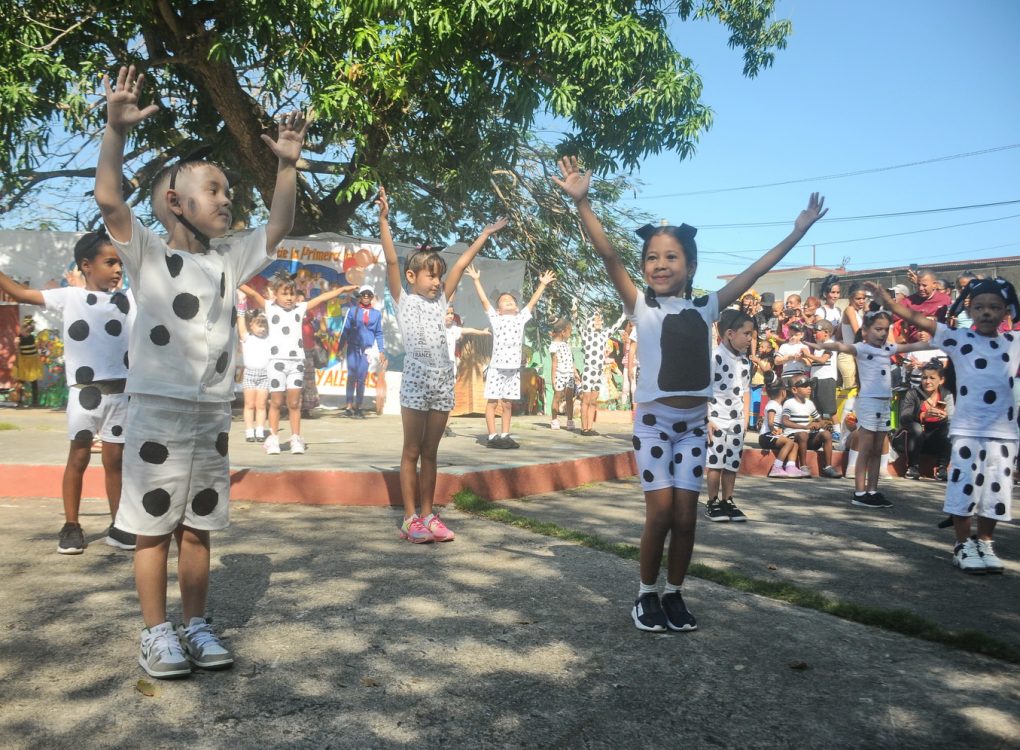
{"x": 772, "y": 567}
{"x": 797, "y": 664}
{"x": 369, "y": 682}
{"x": 146, "y": 688}
{"x": 525, "y": 622}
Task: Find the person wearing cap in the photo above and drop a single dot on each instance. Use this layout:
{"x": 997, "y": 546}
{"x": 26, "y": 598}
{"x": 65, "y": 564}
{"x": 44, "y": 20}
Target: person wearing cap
{"x": 794, "y": 355}
{"x": 362, "y": 330}
{"x": 803, "y": 424}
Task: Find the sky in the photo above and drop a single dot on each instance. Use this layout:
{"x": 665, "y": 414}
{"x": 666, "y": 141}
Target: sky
{"x": 862, "y": 85}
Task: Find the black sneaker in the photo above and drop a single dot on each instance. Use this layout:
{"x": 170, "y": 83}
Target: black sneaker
{"x": 249, "y": 438}
{"x": 940, "y": 474}
{"x": 678, "y": 617}
{"x": 495, "y": 442}
{"x": 359, "y": 414}
{"x": 509, "y": 442}
{"x": 716, "y": 511}
{"x": 870, "y": 500}
{"x": 648, "y": 615}
{"x": 119, "y": 539}
{"x": 912, "y": 472}
{"x": 735, "y": 513}
{"x": 348, "y": 412}
{"x": 72, "y": 540}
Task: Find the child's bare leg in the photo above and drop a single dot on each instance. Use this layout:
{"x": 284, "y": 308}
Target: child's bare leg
{"x": 681, "y": 541}
{"x": 961, "y": 527}
{"x": 508, "y": 410}
{"x": 294, "y": 410}
{"x": 556, "y": 401}
{"x": 569, "y": 403}
{"x": 113, "y": 457}
{"x": 801, "y": 442}
{"x": 826, "y": 438}
{"x": 260, "y": 409}
{"x": 150, "y": 577}
{"x": 729, "y": 478}
{"x": 275, "y": 402}
{"x": 435, "y": 424}
{"x": 249, "y": 408}
{"x": 986, "y": 528}
{"x": 787, "y": 450}
{"x": 193, "y": 570}
{"x": 413, "y": 422}
{"x": 658, "y": 518}
{"x": 874, "y": 460}
{"x": 490, "y": 416}
{"x": 78, "y": 456}
{"x": 714, "y": 475}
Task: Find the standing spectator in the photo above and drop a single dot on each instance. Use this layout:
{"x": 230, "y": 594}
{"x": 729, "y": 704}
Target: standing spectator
{"x": 928, "y": 301}
{"x": 830, "y": 296}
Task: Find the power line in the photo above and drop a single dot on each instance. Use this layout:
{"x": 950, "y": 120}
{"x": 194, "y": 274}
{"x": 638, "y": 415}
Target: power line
{"x": 863, "y": 217}
{"x": 832, "y": 176}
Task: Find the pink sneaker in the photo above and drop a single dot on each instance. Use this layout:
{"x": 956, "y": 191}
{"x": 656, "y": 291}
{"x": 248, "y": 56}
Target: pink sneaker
{"x": 798, "y": 472}
{"x": 438, "y": 529}
{"x": 777, "y": 471}
{"x": 413, "y": 530}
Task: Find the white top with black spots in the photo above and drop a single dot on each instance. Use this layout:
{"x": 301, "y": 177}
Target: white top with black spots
{"x": 675, "y": 346}
{"x": 255, "y": 351}
{"x": 185, "y": 335}
{"x": 985, "y": 366}
{"x": 874, "y": 369}
{"x": 507, "y": 338}
{"x": 285, "y": 331}
{"x": 801, "y": 414}
{"x": 97, "y": 327}
{"x": 422, "y": 324}
{"x": 731, "y": 380}
{"x": 564, "y": 358}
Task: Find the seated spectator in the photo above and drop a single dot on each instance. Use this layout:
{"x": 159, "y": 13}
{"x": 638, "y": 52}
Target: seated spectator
{"x": 771, "y": 438}
{"x": 925, "y": 412}
{"x": 802, "y": 423}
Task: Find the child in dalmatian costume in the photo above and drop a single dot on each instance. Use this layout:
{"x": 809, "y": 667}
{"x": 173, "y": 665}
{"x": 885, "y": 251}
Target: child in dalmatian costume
{"x": 427, "y": 383}
{"x": 97, "y": 325}
{"x": 593, "y": 344}
{"x": 176, "y": 472}
{"x": 673, "y": 388}
{"x": 983, "y": 430}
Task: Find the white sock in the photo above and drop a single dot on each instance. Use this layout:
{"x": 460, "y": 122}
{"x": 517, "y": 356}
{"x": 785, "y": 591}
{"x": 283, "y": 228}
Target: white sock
{"x": 778, "y": 463}
{"x": 791, "y": 464}
{"x": 504, "y": 434}
{"x": 259, "y": 432}
{"x": 851, "y": 462}
{"x": 860, "y": 494}
{"x": 646, "y": 588}
{"x": 249, "y": 433}
{"x": 671, "y": 589}
{"x": 492, "y": 436}
{"x": 883, "y": 464}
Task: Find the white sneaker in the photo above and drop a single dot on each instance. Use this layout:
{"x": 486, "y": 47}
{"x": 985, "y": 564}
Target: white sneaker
{"x": 967, "y": 558}
{"x": 272, "y": 445}
{"x": 161, "y": 655}
{"x": 297, "y": 445}
{"x": 987, "y": 552}
{"x": 203, "y": 647}
{"x": 554, "y": 425}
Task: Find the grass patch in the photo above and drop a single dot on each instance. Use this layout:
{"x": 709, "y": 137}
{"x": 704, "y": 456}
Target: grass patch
{"x": 894, "y": 620}
{"x": 8, "y": 426}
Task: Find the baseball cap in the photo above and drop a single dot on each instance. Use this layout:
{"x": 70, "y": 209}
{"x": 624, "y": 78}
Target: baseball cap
{"x": 366, "y": 288}
{"x": 900, "y": 289}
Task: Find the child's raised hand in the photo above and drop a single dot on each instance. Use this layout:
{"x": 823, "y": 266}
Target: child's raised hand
{"x": 814, "y": 211}
{"x": 495, "y": 226}
{"x": 291, "y": 136}
{"x": 546, "y": 278}
{"x": 383, "y": 203}
{"x": 575, "y": 183}
{"x": 122, "y": 111}
{"x": 473, "y": 272}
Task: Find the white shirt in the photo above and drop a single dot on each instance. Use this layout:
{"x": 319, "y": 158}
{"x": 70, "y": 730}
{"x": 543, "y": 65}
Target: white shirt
{"x": 675, "y": 346}
{"x": 564, "y": 358}
{"x": 422, "y": 324}
{"x": 801, "y": 414}
{"x": 97, "y": 328}
{"x": 453, "y": 334}
{"x": 827, "y": 371}
{"x": 285, "y": 330}
{"x": 874, "y": 369}
{"x": 793, "y": 366}
{"x": 507, "y": 338}
{"x": 832, "y": 314}
{"x": 985, "y": 369}
{"x": 255, "y": 351}
{"x": 185, "y": 333}
{"x": 731, "y": 380}
{"x": 776, "y": 408}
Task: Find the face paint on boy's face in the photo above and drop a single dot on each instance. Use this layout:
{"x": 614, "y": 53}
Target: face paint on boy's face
{"x": 203, "y": 195}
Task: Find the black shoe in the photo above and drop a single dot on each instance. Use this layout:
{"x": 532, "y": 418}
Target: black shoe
{"x": 359, "y": 414}
{"x": 716, "y": 511}
{"x": 912, "y": 472}
{"x": 870, "y": 500}
{"x": 678, "y": 617}
{"x": 348, "y": 412}
{"x": 735, "y": 513}
{"x": 940, "y": 474}
{"x": 72, "y": 540}
{"x": 648, "y": 615}
{"x": 249, "y": 438}
{"x": 119, "y": 539}
{"x": 588, "y": 433}
{"x": 509, "y": 442}
{"x": 496, "y": 442}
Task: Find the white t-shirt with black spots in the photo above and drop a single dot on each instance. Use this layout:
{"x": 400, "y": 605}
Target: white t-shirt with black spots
{"x": 874, "y": 369}
{"x": 185, "y": 333}
{"x": 674, "y": 346}
{"x": 731, "y": 380}
{"x": 985, "y": 367}
{"x": 507, "y": 338}
{"x": 564, "y": 361}
{"x": 422, "y": 324}
{"x": 285, "y": 331}
{"x": 97, "y": 327}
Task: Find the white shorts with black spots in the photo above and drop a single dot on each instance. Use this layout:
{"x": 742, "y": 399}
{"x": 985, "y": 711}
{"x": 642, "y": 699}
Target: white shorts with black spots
{"x": 564, "y": 382}
{"x": 670, "y": 446}
{"x": 286, "y": 375}
{"x": 175, "y": 466}
{"x": 980, "y": 477}
{"x": 426, "y": 388}
{"x": 255, "y": 379}
{"x": 105, "y": 420}
{"x": 503, "y": 383}
{"x": 725, "y": 445}
{"x": 872, "y": 413}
